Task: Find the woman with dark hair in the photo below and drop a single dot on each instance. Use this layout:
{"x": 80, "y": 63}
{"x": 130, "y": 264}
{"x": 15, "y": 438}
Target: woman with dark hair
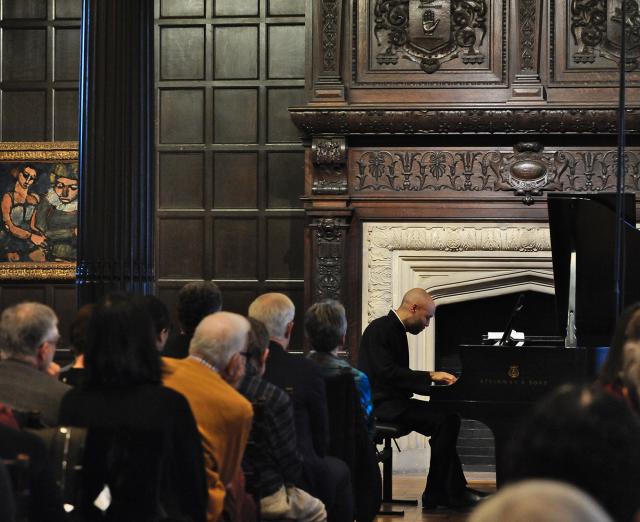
{"x": 143, "y": 457}
{"x": 627, "y": 329}
{"x": 78, "y": 333}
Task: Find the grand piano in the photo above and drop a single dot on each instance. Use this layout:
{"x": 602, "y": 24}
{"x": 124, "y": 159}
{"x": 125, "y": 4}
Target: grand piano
{"x": 500, "y": 383}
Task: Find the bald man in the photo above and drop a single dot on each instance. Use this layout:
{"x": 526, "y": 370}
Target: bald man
{"x": 384, "y": 357}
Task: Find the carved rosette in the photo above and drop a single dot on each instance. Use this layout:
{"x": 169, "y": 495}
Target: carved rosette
{"x": 382, "y": 240}
{"x": 528, "y": 170}
{"x": 329, "y": 236}
{"x": 329, "y": 161}
{"x": 430, "y": 32}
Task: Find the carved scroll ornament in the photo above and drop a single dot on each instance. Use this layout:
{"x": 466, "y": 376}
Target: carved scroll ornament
{"x": 329, "y": 174}
{"x": 430, "y": 32}
{"x": 597, "y": 25}
{"x": 329, "y": 238}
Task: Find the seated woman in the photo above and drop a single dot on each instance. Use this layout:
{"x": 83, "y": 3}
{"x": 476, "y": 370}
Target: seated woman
{"x": 143, "y": 457}
{"x": 325, "y": 324}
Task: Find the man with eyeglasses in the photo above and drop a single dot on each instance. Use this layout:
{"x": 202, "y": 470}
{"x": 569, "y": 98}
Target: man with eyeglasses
{"x": 28, "y": 338}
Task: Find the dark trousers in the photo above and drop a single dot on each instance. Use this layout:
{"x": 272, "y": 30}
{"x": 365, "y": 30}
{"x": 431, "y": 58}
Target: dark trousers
{"x": 329, "y": 480}
{"x": 446, "y": 478}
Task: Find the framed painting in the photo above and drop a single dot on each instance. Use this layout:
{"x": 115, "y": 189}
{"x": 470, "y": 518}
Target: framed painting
{"x": 39, "y": 201}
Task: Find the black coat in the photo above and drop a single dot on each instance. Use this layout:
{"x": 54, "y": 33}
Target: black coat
{"x": 384, "y": 357}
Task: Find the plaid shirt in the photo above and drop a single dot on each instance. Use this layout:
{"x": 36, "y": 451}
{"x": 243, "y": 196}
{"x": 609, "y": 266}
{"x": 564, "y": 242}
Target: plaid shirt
{"x": 271, "y": 454}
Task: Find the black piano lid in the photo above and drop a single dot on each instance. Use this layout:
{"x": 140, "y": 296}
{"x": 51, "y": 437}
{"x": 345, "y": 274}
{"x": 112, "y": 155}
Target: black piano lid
{"x": 587, "y": 222}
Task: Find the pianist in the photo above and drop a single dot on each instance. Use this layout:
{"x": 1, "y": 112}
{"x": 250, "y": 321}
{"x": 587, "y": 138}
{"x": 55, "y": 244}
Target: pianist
{"x": 384, "y": 357}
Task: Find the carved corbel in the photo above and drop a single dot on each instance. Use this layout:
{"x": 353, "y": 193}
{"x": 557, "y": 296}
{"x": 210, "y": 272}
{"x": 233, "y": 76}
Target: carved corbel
{"x": 328, "y": 261}
{"x": 527, "y": 85}
{"x": 327, "y": 49}
{"x": 329, "y": 155}
{"x": 528, "y": 171}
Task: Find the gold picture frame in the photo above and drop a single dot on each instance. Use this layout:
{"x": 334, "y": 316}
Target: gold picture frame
{"x": 41, "y": 256}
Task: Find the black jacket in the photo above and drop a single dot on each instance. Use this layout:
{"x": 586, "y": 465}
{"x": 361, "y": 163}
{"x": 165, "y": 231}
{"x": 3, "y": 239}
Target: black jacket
{"x": 384, "y": 357}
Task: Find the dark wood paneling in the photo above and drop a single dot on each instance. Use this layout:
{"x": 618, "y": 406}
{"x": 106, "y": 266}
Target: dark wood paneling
{"x": 24, "y": 54}
{"x": 285, "y": 248}
{"x": 286, "y": 60}
{"x": 182, "y": 116}
{"x": 64, "y": 303}
{"x": 24, "y": 115}
{"x": 67, "y": 54}
{"x": 237, "y": 300}
{"x": 17, "y": 293}
{"x": 182, "y": 53}
{"x": 285, "y": 179}
{"x": 181, "y": 248}
{"x": 280, "y": 127}
{"x": 236, "y": 52}
{"x": 68, "y": 9}
{"x": 235, "y": 116}
{"x": 16, "y": 9}
{"x": 181, "y": 180}
{"x": 235, "y": 177}
{"x": 65, "y": 121}
{"x": 235, "y": 8}
{"x": 235, "y": 249}
{"x": 182, "y": 8}
{"x": 286, "y": 7}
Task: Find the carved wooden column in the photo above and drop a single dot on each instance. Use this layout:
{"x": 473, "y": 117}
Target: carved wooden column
{"x": 328, "y": 83}
{"x": 329, "y": 219}
{"x": 527, "y": 85}
{"x": 115, "y": 247}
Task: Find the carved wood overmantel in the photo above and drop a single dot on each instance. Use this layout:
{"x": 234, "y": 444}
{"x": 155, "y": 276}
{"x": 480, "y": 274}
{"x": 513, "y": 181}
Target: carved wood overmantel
{"x": 456, "y": 110}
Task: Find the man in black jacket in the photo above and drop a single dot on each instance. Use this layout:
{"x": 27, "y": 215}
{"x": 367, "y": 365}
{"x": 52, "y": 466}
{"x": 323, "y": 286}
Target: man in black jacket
{"x": 324, "y": 477}
{"x": 384, "y": 357}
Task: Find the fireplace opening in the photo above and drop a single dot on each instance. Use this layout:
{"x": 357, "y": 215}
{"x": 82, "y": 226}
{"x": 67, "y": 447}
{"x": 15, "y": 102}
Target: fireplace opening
{"x": 465, "y": 322}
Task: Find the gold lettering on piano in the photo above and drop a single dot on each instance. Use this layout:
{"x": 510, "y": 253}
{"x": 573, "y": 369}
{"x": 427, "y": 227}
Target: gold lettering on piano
{"x": 514, "y": 371}
{"x": 517, "y": 382}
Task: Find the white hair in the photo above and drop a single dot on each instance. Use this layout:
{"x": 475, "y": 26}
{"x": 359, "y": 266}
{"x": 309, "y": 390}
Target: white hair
{"x": 24, "y": 327}
{"x": 542, "y": 501}
{"x": 275, "y": 311}
{"x": 219, "y": 337}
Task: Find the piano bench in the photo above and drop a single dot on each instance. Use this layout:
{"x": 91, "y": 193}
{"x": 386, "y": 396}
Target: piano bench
{"x": 384, "y": 434}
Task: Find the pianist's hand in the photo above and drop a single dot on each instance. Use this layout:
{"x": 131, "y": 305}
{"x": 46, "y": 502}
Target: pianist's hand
{"x": 443, "y": 378}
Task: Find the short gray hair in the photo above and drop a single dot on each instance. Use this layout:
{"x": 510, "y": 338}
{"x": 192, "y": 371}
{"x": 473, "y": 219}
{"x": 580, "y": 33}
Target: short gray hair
{"x": 219, "y": 337}
{"x": 325, "y": 324}
{"x": 275, "y": 311}
{"x": 24, "y": 327}
{"x": 541, "y": 500}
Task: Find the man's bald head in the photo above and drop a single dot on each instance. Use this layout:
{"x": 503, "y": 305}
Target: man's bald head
{"x": 416, "y": 310}
{"x": 219, "y": 337}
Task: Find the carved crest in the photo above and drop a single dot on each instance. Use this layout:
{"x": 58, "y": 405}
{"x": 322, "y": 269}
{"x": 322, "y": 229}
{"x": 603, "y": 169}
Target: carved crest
{"x": 514, "y": 371}
{"x": 430, "y": 32}
{"x": 597, "y": 27}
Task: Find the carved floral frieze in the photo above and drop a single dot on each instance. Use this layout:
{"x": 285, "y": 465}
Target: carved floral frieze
{"x": 461, "y": 121}
{"x": 527, "y": 171}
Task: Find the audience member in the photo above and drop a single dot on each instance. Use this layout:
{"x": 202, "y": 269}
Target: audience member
{"x": 208, "y": 378}
{"x": 78, "y": 335}
{"x": 272, "y": 457}
{"x": 540, "y": 501}
{"x": 627, "y": 329}
{"x": 196, "y": 300}
{"x": 324, "y": 477}
{"x": 586, "y": 438}
{"x": 160, "y": 318}
{"x": 28, "y": 337}
{"x": 142, "y": 441}
{"x": 325, "y": 324}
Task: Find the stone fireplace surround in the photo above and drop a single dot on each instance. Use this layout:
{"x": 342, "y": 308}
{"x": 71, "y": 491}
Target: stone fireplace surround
{"x": 454, "y": 262}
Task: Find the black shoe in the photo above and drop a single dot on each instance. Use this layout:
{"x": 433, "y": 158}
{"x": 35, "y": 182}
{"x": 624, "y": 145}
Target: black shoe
{"x": 468, "y": 499}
